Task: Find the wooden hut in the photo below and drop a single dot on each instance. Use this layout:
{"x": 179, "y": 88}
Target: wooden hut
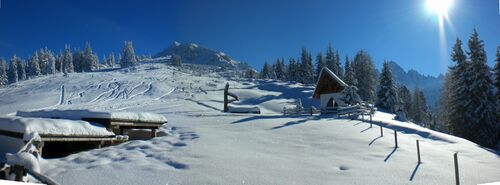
{"x": 328, "y": 90}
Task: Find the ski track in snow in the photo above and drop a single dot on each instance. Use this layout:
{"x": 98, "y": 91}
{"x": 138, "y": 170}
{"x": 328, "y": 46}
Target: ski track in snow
{"x": 166, "y": 94}
{"x": 150, "y": 86}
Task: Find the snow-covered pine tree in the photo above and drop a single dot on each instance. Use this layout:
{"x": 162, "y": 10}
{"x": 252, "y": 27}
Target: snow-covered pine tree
{"x": 21, "y": 70}
{"x": 59, "y": 61}
{"x": 405, "y": 102}
{"x": 42, "y": 61}
{"x": 338, "y": 70}
{"x": 78, "y": 63}
{"x": 350, "y": 96}
{"x": 497, "y": 85}
{"x": 266, "y": 71}
{"x": 480, "y": 103}
{"x": 104, "y": 61}
{"x": 320, "y": 64}
{"x": 330, "y": 58}
{"x": 129, "y": 58}
{"x": 12, "y": 73}
{"x": 349, "y": 77}
{"x": 51, "y": 64}
{"x": 111, "y": 59}
{"x": 459, "y": 92}
{"x": 306, "y": 67}
{"x": 34, "y": 66}
{"x": 87, "y": 59}
{"x": 387, "y": 98}
{"x": 68, "y": 61}
{"x": 443, "y": 107}
{"x": 292, "y": 70}
{"x": 280, "y": 69}
{"x": 364, "y": 72}
{"x": 3, "y": 73}
{"x": 420, "y": 112}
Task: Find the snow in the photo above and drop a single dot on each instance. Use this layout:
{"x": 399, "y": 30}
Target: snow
{"x": 59, "y": 127}
{"x": 25, "y": 159}
{"x": 240, "y": 109}
{"x": 203, "y": 145}
{"x": 85, "y": 113}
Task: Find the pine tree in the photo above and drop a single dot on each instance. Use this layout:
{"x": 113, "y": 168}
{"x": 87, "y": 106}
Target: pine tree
{"x": 59, "y": 61}
{"x": 497, "y": 85}
{"x": 330, "y": 58}
{"x": 111, "y": 59}
{"x": 338, "y": 70}
{"x": 51, "y": 64}
{"x": 459, "y": 92}
{"x": 420, "y": 112}
{"x": 21, "y": 70}
{"x": 104, "y": 61}
{"x": 444, "y": 102}
{"x": 350, "y": 76}
{"x": 293, "y": 72}
{"x": 13, "y": 76}
{"x": 3, "y": 73}
{"x": 350, "y": 96}
{"x": 88, "y": 60}
{"x": 68, "y": 61}
{"x": 266, "y": 71}
{"x": 405, "y": 100}
{"x": 129, "y": 59}
{"x": 320, "y": 64}
{"x": 480, "y": 103}
{"x": 78, "y": 63}
{"x": 280, "y": 69}
{"x": 34, "y": 66}
{"x": 364, "y": 73}
{"x": 387, "y": 92}
{"x": 43, "y": 60}
{"x": 307, "y": 69}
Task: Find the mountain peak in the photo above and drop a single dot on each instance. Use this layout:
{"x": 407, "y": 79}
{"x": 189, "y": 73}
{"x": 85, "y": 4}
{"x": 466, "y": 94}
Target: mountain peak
{"x": 195, "y": 54}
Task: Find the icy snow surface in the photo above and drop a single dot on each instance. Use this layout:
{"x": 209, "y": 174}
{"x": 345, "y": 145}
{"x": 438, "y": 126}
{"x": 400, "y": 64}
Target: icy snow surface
{"x": 83, "y": 113}
{"x": 202, "y": 145}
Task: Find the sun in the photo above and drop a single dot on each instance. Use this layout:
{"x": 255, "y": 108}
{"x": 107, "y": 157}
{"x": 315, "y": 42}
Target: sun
{"x": 439, "y": 7}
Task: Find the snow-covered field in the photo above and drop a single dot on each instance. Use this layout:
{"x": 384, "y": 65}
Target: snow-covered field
{"x": 202, "y": 145}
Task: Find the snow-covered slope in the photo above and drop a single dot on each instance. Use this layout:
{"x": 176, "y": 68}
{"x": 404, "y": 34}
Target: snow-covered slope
{"x": 202, "y": 145}
{"x": 195, "y": 54}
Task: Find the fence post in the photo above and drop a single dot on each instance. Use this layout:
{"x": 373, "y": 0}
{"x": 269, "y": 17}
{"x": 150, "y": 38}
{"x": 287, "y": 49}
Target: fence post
{"x": 396, "y": 138}
{"x": 370, "y": 120}
{"x": 19, "y": 172}
{"x": 418, "y": 151}
{"x": 457, "y": 179}
{"x": 381, "y": 131}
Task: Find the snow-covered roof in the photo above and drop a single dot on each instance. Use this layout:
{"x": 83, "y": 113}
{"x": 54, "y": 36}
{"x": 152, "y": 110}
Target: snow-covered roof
{"x": 53, "y": 127}
{"x": 329, "y": 73}
{"x": 78, "y": 114}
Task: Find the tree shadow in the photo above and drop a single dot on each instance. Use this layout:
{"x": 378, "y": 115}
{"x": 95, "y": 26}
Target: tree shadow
{"x": 390, "y": 154}
{"x": 290, "y": 124}
{"x": 365, "y": 130}
{"x": 374, "y": 140}
{"x": 414, "y": 172}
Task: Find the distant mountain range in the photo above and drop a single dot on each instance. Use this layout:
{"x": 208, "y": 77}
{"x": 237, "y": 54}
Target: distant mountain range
{"x": 195, "y": 54}
{"x": 430, "y": 85}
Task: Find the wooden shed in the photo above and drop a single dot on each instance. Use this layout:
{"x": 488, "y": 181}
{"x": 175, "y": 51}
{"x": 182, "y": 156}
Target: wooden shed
{"x": 328, "y": 90}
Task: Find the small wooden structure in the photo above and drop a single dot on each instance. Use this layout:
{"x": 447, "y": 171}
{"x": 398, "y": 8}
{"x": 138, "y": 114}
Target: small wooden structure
{"x": 226, "y": 98}
{"x": 239, "y": 109}
{"x": 328, "y": 90}
{"x": 117, "y": 122}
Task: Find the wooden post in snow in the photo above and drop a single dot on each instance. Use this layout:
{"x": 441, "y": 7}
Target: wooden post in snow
{"x": 381, "y": 131}
{"x": 457, "y": 179}
{"x": 19, "y": 172}
{"x": 226, "y": 99}
{"x": 396, "y": 138}
{"x": 370, "y": 120}
{"x": 418, "y": 152}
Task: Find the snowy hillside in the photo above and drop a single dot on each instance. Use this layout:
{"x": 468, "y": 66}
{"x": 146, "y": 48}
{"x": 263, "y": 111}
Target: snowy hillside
{"x": 202, "y": 145}
{"x": 195, "y": 54}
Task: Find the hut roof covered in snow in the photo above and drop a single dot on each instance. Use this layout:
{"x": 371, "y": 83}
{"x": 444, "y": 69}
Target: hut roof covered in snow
{"x": 80, "y": 114}
{"x": 328, "y": 82}
{"x": 52, "y": 127}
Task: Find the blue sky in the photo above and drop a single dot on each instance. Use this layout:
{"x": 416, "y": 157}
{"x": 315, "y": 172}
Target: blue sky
{"x": 253, "y": 31}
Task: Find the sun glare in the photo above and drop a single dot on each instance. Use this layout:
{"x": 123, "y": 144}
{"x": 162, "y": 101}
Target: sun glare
{"x": 439, "y": 7}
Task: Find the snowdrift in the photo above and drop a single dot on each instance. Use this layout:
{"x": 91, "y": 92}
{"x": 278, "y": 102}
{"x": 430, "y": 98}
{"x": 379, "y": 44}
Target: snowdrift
{"x": 84, "y": 113}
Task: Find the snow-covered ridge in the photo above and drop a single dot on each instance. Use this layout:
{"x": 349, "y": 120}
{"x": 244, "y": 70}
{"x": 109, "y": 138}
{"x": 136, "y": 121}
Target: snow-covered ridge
{"x": 195, "y": 54}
